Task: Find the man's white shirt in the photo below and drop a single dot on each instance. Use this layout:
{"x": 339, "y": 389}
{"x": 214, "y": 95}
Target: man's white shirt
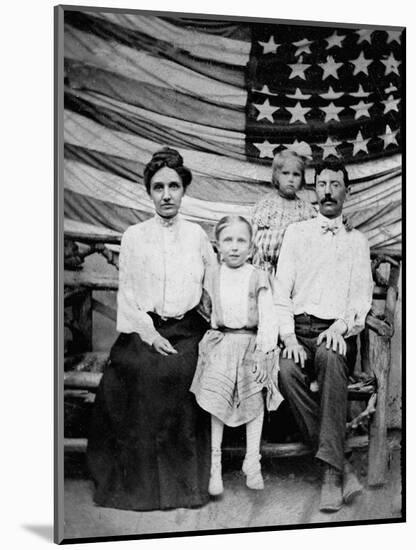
{"x": 325, "y": 271}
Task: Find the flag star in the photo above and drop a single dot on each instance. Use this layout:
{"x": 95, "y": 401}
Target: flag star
{"x": 266, "y": 148}
{"x": 299, "y": 95}
{"x": 298, "y": 113}
{"x": 330, "y": 94}
{"x": 270, "y": 46}
{"x": 360, "y": 92}
{"x": 335, "y": 40}
{"x": 330, "y": 67}
{"x": 303, "y": 46}
{"x": 266, "y": 110}
{"x": 364, "y": 35}
{"x": 392, "y": 64}
{"x": 361, "y": 64}
{"x": 329, "y": 148}
{"x": 361, "y": 109}
{"x": 360, "y": 144}
{"x": 389, "y": 137}
{"x": 298, "y": 69}
{"x": 390, "y": 104}
{"x": 393, "y": 36}
{"x": 331, "y": 112}
{"x": 390, "y": 89}
{"x": 301, "y": 148}
{"x": 265, "y": 90}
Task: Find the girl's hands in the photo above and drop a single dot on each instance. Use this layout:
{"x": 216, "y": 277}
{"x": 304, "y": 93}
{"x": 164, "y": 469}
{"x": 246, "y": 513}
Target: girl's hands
{"x": 259, "y": 367}
{"x": 163, "y": 346}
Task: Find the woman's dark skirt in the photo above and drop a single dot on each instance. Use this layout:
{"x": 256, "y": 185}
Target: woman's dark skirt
{"x": 149, "y": 443}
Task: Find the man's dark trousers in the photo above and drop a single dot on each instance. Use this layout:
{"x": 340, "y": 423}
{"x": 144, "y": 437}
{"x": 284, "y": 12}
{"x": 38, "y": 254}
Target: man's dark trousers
{"x": 321, "y": 416}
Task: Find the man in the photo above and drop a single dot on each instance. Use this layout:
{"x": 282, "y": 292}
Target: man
{"x": 323, "y": 293}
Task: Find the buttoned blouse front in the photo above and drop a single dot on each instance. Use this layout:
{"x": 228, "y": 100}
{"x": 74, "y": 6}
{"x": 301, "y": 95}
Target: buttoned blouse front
{"x": 161, "y": 270}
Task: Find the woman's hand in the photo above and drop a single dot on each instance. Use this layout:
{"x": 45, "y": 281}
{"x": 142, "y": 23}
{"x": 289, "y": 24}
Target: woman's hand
{"x": 163, "y": 346}
{"x": 259, "y": 367}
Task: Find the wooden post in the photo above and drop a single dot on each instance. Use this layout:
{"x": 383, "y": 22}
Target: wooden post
{"x": 379, "y": 348}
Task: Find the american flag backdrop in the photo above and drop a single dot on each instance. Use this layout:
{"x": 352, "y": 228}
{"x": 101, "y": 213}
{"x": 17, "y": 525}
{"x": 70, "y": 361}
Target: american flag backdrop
{"x": 227, "y": 95}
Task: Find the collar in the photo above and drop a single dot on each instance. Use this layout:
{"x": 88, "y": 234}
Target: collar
{"x": 166, "y": 222}
{"x": 332, "y": 225}
{"x": 331, "y": 221}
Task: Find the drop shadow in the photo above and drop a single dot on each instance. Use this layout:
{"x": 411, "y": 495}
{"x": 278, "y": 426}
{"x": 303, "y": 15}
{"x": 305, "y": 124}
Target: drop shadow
{"x": 43, "y": 531}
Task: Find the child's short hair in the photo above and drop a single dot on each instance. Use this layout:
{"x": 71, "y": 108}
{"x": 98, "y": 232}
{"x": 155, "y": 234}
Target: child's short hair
{"x": 279, "y": 160}
{"x": 229, "y": 220}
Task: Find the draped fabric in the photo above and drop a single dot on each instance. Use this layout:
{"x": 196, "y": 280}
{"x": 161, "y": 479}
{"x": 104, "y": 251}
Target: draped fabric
{"x": 227, "y": 95}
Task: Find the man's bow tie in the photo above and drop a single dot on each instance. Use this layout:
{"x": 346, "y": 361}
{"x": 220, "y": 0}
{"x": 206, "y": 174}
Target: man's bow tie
{"x": 329, "y": 228}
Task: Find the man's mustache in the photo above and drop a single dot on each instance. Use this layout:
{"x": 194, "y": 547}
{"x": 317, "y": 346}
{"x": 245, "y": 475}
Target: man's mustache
{"x": 328, "y": 199}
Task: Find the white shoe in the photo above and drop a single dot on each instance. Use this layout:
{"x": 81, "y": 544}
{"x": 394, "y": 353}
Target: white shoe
{"x": 215, "y": 487}
{"x": 252, "y": 470}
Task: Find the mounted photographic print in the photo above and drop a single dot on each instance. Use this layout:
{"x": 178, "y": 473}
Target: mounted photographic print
{"x": 228, "y": 274}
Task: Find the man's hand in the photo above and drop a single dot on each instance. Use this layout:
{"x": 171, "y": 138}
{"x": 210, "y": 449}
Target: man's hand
{"x": 259, "y": 367}
{"x": 334, "y": 337}
{"x": 293, "y": 350}
{"x": 163, "y": 346}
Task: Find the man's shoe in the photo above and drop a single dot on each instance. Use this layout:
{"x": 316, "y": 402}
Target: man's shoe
{"x": 331, "y": 490}
{"x": 351, "y": 487}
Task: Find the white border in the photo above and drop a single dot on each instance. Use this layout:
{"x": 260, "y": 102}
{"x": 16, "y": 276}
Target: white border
{"x": 26, "y": 490}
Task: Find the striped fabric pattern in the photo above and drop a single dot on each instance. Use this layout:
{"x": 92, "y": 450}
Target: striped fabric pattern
{"x": 136, "y": 82}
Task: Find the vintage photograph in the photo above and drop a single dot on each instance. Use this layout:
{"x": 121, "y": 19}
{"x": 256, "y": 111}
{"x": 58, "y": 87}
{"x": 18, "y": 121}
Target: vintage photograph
{"x": 229, "y": 205}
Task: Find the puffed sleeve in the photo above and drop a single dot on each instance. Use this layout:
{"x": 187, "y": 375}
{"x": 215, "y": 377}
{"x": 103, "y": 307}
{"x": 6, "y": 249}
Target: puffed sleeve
{"x": 130, "y": 317}
{"x": 361, "y": 288}
{"x": 267, "y": 330}
{"x": 208, "y": 255}
{"x": 284, "y": 283}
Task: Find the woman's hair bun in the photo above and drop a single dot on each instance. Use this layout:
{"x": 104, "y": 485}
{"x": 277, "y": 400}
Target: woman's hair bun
{"x": 171, "y": 157}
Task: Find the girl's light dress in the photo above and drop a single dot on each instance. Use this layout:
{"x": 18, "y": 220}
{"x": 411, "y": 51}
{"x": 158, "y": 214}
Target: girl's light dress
{"x": 243, "y": 319}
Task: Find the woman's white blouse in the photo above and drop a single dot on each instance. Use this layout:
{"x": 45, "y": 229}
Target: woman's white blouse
{"x": 161, "y": 270}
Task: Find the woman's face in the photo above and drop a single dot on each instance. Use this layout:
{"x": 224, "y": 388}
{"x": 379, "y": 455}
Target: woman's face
{"x": 289, "y": 179}
{"x": 166, "y": 191}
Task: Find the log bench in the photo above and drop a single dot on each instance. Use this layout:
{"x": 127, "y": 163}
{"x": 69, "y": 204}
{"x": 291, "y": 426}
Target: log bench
{"x": 367, "y": 429}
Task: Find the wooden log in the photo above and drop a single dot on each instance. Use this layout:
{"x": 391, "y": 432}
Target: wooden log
{"x": 379, "y": 356}
{"x": 93, "y": 361}
{"x": 380, "y": 326}
{"x": 93, "y": 281}
{"x": 82, "y": 380}
{"x": 93, "y": 237}
{"x": 271, "y": 450}
{"x": 392, "y": 294}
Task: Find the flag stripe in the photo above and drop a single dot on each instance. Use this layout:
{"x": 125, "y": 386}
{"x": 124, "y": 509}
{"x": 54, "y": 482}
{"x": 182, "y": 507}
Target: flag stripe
{"x": 157, "y": 127}
{"x": 202, "y": 45}
{"x": 140, "y": 65}
{"x": 215, "y": 27}
{"x": 153, "y": 98}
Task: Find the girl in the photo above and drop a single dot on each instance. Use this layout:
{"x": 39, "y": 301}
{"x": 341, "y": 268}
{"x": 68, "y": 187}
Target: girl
{"x": 237, "y": 357}
{"x": 273, "y": 214}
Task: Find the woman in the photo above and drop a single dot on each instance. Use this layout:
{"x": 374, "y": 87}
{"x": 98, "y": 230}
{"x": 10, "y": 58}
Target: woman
{"x": 149, "y": 445}
{"x": 273, "y": 214}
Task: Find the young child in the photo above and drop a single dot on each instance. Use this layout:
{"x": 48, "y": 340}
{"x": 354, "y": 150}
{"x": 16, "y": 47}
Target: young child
{"x": 238, "y": 357}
